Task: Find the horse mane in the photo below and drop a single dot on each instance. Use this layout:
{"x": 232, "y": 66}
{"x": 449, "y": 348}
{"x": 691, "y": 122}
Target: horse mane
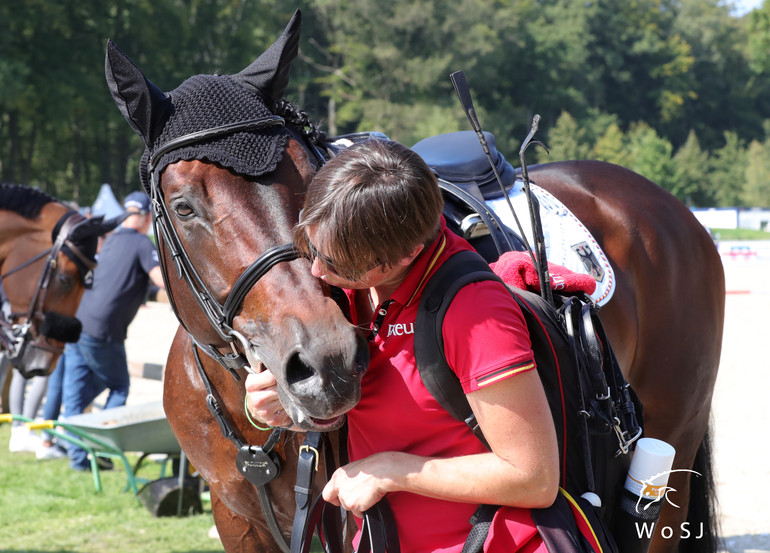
{"x": 300, "y": 120}
{"x": 23, "y": 200}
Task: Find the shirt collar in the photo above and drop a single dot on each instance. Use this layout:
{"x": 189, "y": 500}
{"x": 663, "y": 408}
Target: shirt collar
{"x": 425, "y": 264}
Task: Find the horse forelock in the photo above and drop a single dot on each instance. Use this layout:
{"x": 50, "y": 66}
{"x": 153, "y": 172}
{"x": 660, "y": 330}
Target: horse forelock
{"x": 206, "y": 101}
{"x": 86, "y": 242}
{"x": 23, "y": 200}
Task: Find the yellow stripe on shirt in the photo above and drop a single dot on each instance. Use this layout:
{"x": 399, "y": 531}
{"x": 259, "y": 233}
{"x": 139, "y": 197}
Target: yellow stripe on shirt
{"x": 495, "y": 377}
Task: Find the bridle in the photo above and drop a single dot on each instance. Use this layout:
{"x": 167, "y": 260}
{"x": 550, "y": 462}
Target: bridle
{"x": 14, "y": 337}
{"x": 220, "y": 316}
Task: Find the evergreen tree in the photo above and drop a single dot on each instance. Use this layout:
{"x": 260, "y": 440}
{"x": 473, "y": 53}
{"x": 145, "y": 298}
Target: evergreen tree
{"x": 691, "y": 173}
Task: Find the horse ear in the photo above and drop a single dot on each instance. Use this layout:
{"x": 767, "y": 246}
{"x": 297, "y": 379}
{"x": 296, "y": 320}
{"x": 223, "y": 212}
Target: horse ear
{"x": 269, "y": 73}
{"x": 111, "y": 224}
{"x": 143, "y": 104}
{"x": 97, "y": 226}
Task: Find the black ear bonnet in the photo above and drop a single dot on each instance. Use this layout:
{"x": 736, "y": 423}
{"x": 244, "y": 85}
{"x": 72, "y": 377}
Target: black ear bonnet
{"x": 206, "y": 101}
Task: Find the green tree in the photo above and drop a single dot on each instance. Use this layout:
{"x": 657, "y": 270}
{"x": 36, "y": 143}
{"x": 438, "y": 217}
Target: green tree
{"x": 728, "y": 172}
{"x": 611, "y": 146}
{"x": 650, "y": 155}
{"x": 756, "y": 193}
{"x": 566, "y": 140}
{"x": 720, "y": 76}
{"x": 690, "y": 180}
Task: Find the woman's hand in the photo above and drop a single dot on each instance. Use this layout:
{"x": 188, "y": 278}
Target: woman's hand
{"x": 262, "y": 400}
{"x": 357, "y": 486}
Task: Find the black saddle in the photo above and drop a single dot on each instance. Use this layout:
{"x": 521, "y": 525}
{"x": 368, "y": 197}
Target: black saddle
{"x": 457, "y": 157}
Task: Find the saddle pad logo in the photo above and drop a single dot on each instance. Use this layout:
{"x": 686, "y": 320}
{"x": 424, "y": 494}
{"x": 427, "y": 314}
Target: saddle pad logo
{"x": 588, "y": 257}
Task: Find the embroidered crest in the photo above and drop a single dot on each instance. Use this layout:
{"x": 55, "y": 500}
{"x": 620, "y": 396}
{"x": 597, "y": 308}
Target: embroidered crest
{"x": 588, "y": 257}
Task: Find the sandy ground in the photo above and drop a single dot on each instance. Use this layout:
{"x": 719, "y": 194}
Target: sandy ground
{"x": 740, "y": 408}
{"x": 741, "y": 415}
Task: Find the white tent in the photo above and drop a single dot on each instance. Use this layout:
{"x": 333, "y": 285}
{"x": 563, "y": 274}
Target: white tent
{"x": 106, "y": 204}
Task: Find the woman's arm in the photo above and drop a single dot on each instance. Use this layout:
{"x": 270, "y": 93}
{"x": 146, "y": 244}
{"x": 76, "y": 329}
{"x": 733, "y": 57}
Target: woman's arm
{"x": 522, "y": 470}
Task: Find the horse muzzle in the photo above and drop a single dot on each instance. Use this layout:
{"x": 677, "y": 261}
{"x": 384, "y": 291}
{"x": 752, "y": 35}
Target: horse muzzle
{"x": 61, "y": 328}
{"x": 317, "y": 391}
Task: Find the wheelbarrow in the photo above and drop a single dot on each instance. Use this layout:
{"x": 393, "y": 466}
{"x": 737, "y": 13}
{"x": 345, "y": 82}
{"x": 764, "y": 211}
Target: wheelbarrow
{"x": 130, "y": 428}
{"x": 92, "y": 445}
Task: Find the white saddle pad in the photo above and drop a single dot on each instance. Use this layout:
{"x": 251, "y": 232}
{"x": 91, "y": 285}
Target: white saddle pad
{"x": 568, "y": 242}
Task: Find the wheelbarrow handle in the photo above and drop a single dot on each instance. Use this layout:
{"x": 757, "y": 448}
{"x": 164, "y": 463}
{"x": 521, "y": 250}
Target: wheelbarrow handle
{"x": 41, "y": 425}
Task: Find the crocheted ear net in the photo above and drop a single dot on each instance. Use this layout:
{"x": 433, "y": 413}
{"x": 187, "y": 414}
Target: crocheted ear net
{"x": 206, "y": 101}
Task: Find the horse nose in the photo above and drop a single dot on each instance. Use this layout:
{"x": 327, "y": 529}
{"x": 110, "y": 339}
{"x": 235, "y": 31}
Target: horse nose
{"x": 308, "y": 373}
{"x": 361, "y": 361}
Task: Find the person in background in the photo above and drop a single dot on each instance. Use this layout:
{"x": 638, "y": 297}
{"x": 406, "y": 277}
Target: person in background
{"x": 24, "y": 397}
{"x": 128, "y": 266}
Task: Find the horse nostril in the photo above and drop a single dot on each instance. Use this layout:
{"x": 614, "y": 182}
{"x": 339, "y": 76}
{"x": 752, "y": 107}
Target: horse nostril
{"x": 361, "y": 361}
{"x": 297, "y": 371}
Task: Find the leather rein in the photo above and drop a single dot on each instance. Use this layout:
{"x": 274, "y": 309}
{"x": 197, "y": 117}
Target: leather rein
{"x": 15, "y": 336}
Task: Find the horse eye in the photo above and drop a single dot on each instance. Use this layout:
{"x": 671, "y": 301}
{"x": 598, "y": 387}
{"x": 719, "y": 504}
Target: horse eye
{"x": 183, "y": 210}
{"x": 65, "y": 282}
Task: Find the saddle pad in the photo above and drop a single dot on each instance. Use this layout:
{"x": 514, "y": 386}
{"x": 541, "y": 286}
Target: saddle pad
{"x": 568, "y": 242}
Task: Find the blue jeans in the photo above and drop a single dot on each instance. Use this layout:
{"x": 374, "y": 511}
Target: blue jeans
{"x": 92, "y": 366}
{"x": 52, "y": 405}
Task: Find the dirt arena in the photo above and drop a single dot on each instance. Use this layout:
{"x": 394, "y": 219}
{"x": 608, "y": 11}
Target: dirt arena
{"x": 741, "y": 416}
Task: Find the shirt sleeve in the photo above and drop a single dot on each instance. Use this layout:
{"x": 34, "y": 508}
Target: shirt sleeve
{"x": 485, "y": 336}
{"x": 148, "y": 256}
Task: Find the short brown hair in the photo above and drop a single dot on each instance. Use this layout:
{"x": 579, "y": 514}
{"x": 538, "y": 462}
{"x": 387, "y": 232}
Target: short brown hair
{"x": 371, "y": 205}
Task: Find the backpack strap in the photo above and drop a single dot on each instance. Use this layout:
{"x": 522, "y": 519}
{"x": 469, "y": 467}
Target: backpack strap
{"x": 459, "y": 270}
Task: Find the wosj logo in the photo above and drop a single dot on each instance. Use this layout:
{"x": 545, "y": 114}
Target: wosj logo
{"x": 652, "y": 496}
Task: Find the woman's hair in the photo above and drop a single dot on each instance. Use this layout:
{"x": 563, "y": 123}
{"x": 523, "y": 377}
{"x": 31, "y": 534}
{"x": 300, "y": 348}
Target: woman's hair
{"x": 370, "y": 205}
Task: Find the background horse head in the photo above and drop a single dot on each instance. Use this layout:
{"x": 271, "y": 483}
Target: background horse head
{"x": 47, "y": 255}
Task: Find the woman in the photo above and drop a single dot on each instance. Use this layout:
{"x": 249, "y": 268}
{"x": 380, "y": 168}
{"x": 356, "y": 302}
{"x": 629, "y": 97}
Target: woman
{"x": 372, "y": 225}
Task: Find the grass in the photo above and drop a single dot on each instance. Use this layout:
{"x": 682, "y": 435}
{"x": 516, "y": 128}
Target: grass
{"x": 47, "y": 507}
{"x": 740, "y": 234}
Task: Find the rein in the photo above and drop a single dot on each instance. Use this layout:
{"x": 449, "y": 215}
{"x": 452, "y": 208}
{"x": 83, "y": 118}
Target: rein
{"x": 14, "y": 336}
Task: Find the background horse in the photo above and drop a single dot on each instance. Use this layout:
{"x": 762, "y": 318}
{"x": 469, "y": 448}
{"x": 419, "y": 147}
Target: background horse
{"x": 222, "y": 210}
{"x": 46, "y": 258}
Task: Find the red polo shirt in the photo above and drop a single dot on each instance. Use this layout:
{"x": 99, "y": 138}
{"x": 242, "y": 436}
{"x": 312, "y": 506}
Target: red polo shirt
{"x": 486, "y": 341}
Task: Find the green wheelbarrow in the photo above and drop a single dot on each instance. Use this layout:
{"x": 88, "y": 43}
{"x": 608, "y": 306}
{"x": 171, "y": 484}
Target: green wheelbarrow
{"x": 113, "y": 432}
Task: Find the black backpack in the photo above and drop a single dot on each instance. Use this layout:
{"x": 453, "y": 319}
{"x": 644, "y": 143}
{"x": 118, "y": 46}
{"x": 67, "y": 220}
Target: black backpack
{"x": 596, "y": 414}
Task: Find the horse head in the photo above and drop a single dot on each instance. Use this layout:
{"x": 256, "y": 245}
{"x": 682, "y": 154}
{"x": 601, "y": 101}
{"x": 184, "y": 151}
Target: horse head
{"x": 227, "y": 177}
{"x": 59, "y": 245}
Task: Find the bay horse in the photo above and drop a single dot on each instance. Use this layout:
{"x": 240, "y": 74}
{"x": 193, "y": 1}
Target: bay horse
{"x": 47, "y": 255}
{"x": 226, "y": 164}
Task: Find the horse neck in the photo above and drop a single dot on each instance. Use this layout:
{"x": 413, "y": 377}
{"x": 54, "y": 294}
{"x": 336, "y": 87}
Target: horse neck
{"x": 22, "y": 238}
{"x": 17, "y": 235}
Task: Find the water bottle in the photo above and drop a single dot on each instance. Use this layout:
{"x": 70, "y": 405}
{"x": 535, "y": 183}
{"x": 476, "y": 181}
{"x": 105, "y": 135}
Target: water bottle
{"x": 643, "y": 495}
